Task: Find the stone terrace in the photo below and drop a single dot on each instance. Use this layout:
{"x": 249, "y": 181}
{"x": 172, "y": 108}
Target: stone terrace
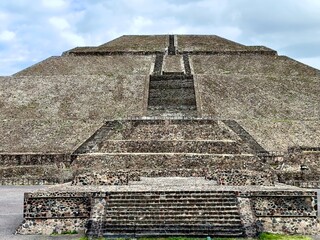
{"x": 124, "y": 44}
{"x": 221, "y": 210}
{"x": 91, "y": 65}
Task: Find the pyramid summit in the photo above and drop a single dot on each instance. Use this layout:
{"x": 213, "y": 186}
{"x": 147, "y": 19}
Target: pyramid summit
{"x": 239, "y": 125}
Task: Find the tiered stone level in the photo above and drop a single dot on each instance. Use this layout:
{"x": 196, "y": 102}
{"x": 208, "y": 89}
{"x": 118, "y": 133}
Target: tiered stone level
{"x": 34, "y": 169}
{"x": 163, "y": 206}
{"x": 164, "y": 147}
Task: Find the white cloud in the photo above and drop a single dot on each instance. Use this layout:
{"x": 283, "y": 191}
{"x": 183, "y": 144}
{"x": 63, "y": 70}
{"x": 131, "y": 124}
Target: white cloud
{"x": 139, "y": 23}
{"x": 73, "y": 39}
{"x": 59, "y": 23}
{"x": 54, "y": 4}
{"x": 3, "y": 16}
{"x": 49, "y": 27}
{"x": 7, "y": 36}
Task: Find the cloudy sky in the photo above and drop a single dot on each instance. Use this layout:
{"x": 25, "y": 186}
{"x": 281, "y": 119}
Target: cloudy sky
{"x": 32, "y": 30}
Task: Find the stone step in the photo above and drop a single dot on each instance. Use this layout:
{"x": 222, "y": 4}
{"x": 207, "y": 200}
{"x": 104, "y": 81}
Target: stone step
{"x": 180, "y": 197}
{"x": 172, "y": 233}
{"x": 169, "y": 93}
{"x": 212, "y": 146}
{"x": 165, "y": 113}
{"x": 173, "y": 73}
{"x": 173, "y": 206}
{"x": 230, "y": 222}
{"x": 173, "y": 230}
{"x": 174, "y": 212}
{"x": 175, "y": 77}
{"x": 171, "y": 199}
{"x": 172, "y": 111}
{"x": 172, "y": 101}
{"x": 171, "y": 220}
{"x": 182, "y": 216}
{"x": 172, "y": 84}
{"x": 200, "y": 226}
{"x": 173, "y": 193}
{"x": 209, "y": 207}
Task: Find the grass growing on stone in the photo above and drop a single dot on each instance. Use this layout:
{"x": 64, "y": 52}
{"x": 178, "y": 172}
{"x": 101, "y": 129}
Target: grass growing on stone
{"x": 272, "y": 236}
{"x": 65, "y": 233}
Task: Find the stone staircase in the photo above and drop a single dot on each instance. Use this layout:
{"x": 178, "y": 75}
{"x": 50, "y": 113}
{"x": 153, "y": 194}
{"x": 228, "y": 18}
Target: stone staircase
{"x": 171, "y": 47}
{"x": 172, "y": 213}
{"x": 174, "y": 92}
{"x": 171, "y": 86}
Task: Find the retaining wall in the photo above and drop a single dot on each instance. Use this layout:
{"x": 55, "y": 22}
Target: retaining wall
{"x": 244, "y": 178}
{"x": 34, "y": 169}
{"x": 17, "y": 159}
{"x": 290, "y": 212}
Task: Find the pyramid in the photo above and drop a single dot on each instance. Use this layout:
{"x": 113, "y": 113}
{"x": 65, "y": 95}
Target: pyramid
{"x": 147, "y": 132}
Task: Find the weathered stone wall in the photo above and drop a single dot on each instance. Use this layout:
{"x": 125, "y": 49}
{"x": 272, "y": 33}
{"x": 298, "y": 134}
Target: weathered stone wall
{"x": 299, "y": 166}
{"x": 47, "y": 213}
{"x": 284, "y": 211}
{"x": 153, "y": 146}
{"x": 305, "y": 179}
{"x": 291, "y": 225}
{"x": 244, "y": 178}
{"x": 98, "y": 212}
{"x": 248, "y": 217}
{"x": 165, "y": 161}
{"x": 30, "y": 169}
{"x": 56, "y": 207}
{"x": 52, "y": 226}
{"x": 27, "y": 181}
{"x": 105, "y": 178}
{"x": 307, "y": 157}
{"x": 34, "y": 159}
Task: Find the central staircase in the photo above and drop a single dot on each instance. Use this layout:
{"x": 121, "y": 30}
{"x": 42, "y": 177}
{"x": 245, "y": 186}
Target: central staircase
{"x": 172, "y": 213}
{"x": 171, "y": 141}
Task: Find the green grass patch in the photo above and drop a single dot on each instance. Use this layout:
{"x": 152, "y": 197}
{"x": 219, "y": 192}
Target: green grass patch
{"x": 272, "y": 236}
{"x": 101, "y": 238}
{"x": 171, "y": 238}
{"x": 189, "y": 238}
{"x": 65, "y": 233}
